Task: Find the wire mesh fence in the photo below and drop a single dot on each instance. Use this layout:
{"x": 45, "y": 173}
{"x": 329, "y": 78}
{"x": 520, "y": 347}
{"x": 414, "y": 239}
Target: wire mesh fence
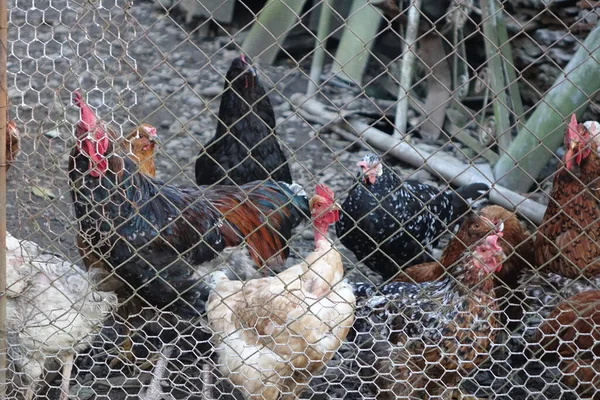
{"x": 310, "y": 199}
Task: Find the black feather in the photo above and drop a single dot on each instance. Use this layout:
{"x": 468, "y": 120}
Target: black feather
{"x": 245, "y": 147}
{"x": 154, "y": 235}
{"x": 390, "y": 225}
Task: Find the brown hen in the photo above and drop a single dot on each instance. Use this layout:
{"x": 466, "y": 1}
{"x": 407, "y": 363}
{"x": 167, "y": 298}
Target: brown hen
{"x": 516, "y": 242}
{"x": 571, "y": 331}
{"x": 567, "y": 242}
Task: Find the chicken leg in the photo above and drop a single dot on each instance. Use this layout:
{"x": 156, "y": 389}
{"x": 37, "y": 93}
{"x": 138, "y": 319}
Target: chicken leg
{"x": 154, "y": 391}
{"x": 66, "y": 376}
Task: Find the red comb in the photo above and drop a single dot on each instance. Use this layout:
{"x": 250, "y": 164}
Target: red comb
{"x": 87, "y": 115}
{"x": 324, "y": 192}
{"x": 243, "y": 58}
{"x": 573, "y": 123}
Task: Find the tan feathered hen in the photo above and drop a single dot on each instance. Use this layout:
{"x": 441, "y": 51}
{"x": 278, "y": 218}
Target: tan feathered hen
{"x": 276, "y": 333}
{"x": 52, "y": 308}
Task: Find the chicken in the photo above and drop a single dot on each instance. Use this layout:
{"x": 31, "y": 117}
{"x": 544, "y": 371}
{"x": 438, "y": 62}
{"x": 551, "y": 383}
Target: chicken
{"x": 245, "y": 147}
{"x": 424, "y": 337}
{"x": 139, "y": 145}
{"x": 12, "y": 143}
{"x": 516, "y": 242}
{"x": 571, "y": 331}
{"x": 278, "y": 332}
{"x": 156, "y": 236}
{"x": 545, "y": 290}
{"x": 388, "y": 223}
{"x": 567, "y": 242}
{"x": 52, "y": 309}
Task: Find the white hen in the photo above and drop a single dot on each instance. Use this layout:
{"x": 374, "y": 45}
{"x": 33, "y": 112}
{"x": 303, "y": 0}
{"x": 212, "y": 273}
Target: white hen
{"x": 276, "y": 333}
{"x": 52, "y": 308}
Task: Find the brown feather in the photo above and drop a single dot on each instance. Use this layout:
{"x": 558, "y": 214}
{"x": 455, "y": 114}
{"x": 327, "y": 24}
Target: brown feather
{"x": 12, "y": 143}
{"x": 139, "y": 146}
{"x": 567, "y": 240}
{"x": 516, "y": 242}
{"x": 571, "y": 330}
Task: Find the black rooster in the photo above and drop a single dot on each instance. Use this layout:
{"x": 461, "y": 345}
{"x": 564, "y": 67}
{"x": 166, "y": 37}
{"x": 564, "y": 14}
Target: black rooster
{"x": 245, "y": 147}
{"x": 388, "y": 223}
{"x": 157, "y": 237}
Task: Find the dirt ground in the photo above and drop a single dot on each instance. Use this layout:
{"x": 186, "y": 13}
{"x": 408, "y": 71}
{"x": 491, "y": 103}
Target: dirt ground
{"x": 143, "y": 66}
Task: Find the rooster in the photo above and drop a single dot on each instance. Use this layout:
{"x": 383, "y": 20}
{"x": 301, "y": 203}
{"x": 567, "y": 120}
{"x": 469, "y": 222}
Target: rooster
{"x": 568, "y": 240}
{"x": 52, "y": 308}
{"x": 245, "y": 147}
{"x": 424, "y": 337}
{"x": 387, "y": 222}
{"x": 278, "y": 332}
{"x": 155, "y": 236}
{"x": 139, "y": 146}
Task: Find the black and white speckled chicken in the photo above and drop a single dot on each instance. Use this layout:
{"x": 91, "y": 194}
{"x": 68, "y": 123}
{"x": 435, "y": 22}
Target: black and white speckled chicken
{"x": 421, "y": 338}
{"x": 388, "y": 222}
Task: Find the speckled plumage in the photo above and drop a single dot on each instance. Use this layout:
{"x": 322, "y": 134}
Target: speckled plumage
{"x": 448, "y": 323}
{"x": 545, "y": 290}
{"x": 245, "y": 147}
{"x": 389, "y": 224}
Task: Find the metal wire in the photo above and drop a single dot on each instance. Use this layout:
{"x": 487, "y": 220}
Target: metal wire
{"x": 164, "y": 63}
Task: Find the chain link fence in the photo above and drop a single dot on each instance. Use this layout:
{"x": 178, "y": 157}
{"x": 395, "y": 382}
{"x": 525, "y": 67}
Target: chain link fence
{"x": 431, "y": 229}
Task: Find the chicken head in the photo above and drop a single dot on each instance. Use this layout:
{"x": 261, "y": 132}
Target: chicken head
{"x": 241, "y": 74}
{"x": 576, "y": 143}
{"x": 489, "y": 255}
{"x": 324, "y": 211}
{"x": 371, "y": 168}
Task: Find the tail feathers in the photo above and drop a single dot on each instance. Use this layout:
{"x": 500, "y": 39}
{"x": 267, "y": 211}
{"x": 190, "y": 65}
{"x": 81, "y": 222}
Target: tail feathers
{"x": 299, "y": 199}
{"x": 544, "y": 291}
{"x": 464, "y": 197}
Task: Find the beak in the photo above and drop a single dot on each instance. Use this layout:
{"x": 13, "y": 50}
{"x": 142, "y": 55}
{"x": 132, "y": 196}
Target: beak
{"x": 251, "y": 70}
{"x": 336, "y": 206}
{"x": 573, "y": 145}
{"x": 155, "y": 139}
